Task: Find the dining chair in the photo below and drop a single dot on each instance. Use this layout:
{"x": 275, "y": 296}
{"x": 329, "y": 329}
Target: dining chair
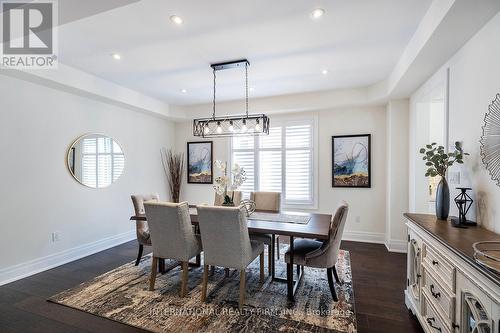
{"x": 313, "y": 253}
{"x": 271, "y": 202}
{"x": 219, "y": 199}
{"x": 226, "y": 243}
{"x": 141, "y": 227}
{"x": 172, "y": 237}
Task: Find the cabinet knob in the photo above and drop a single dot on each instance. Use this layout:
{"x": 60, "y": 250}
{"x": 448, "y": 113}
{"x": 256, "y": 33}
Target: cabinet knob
{"x": 434, "y": 262}
{"x": 436, "y": 295}
{"x": 430, "y": 321}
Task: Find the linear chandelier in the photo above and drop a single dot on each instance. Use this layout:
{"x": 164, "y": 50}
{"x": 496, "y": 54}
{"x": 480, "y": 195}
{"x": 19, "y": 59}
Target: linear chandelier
{"x": 256, "y": 124}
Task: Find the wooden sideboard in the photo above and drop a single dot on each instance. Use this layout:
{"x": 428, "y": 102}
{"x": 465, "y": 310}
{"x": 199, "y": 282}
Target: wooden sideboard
{"x": 447, "y": 290}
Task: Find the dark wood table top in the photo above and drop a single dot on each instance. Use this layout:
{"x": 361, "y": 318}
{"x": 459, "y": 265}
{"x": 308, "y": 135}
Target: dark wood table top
{"x": 457, "y": 240}
{"x": 317, "y": 227}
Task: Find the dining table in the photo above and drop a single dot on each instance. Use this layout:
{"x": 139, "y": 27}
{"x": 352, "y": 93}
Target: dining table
{"x": 316, "y": 227}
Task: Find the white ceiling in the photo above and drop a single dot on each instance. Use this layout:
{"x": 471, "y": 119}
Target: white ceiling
{"x": 358, "y": 41}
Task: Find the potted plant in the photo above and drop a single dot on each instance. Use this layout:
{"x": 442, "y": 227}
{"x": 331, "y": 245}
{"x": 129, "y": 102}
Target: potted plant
{"x": 438, "y": 162}
{"x": 227, "y": 182}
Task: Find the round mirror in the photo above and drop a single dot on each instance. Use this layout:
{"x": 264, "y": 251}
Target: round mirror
{"x": 96, "y": 160}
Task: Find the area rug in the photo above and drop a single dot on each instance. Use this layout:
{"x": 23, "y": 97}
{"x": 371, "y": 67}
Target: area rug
{"x": 122, "y": 295}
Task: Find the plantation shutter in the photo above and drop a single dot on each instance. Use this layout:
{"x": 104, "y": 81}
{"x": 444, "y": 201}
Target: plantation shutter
{"x": 279, "y": 162}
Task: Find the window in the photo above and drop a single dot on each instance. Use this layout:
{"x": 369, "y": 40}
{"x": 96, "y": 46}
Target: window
{"x": 279, "y": 162}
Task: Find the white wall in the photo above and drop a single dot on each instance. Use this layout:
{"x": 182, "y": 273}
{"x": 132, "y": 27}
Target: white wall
{"x": 366, "y": 204}
{"x": 38, "y": 194}
{"x": 198, "y": 193}
{"x": 397, "y": 118}
{"x": 474, "y": 82}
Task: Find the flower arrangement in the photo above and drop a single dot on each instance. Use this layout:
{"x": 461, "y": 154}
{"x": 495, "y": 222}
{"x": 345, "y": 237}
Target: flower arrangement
{"x": 232, "y": 182}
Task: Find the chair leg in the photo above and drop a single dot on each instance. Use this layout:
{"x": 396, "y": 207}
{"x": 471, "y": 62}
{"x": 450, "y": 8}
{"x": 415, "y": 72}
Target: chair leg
{"x": 184, "y": 282}
{"x": 331, "y": 284}
{"x": 277, "y": 247}
{"x": 226, "y": 272}
{"x": 242, "y": 289}
{"x": 262, "y": 275}
{"x": 212, "y": 270}
{"x": 334, "y": 269}
{"x": 154, "y": 267}
{"x": 139, "y": 255}
{"x": 161, "y": 264}
{"x": 298, "y": 270}
{"x": 204, "y": 283}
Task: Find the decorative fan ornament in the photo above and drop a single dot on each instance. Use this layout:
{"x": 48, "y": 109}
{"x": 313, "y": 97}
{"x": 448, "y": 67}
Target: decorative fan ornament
{"x": 490, "y": 141}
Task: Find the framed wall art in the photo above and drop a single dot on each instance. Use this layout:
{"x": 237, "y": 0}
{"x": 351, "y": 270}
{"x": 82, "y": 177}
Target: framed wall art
{"x": 200, "y": 162}
{"x": 351, "y": 160}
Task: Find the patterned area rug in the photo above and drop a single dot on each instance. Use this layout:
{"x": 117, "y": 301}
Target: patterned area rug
{"x": 122, "y": 295}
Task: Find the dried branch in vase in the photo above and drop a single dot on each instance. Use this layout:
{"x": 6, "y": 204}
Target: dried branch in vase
{"x": 173, "y": 164}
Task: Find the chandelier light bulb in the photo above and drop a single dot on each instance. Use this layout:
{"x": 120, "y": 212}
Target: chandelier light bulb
{"x": 244, "y": 127}
{"x": 219, "y": 129}
{"x": 231, "y": 127}
{"x": 257, "y": 126}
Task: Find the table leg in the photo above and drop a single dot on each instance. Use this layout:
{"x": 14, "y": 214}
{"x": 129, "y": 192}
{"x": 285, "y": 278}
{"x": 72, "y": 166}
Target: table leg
{"x": 289, "y": 273}
{"x": 272, "y": 260}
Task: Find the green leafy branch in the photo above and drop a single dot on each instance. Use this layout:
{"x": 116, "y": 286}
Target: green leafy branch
{"x": 439, "y": 161}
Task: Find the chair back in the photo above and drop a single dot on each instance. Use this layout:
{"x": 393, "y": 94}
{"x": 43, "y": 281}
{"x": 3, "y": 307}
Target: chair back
{"x": 141, "y": 227}
{"x": 269, "y": 201}
{"x": 326, "y": 255}
{"x": 219, "y": 199}
{"x": 171, "y": 232}
{"x": 224, "y": 234}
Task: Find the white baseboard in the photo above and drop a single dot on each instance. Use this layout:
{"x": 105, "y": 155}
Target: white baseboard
{"x": 396, "y": 245}
{"x": 364, "y": 236}
{"x": 19, "y": 271}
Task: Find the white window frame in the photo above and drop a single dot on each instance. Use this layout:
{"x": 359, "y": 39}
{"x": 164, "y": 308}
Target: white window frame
{"x": 283, "y": 122}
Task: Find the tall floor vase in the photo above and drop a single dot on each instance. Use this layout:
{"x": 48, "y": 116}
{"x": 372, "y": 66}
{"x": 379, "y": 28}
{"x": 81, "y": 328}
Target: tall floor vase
{"x": 442, "y": 200}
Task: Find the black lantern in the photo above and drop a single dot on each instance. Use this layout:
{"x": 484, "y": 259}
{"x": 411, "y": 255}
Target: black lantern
{"x": 464, "y": 203}
{"x": 245, "y": 124}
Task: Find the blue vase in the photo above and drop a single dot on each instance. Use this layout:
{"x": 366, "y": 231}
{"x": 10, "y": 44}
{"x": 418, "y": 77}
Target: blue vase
{"x": 442, "y": 200}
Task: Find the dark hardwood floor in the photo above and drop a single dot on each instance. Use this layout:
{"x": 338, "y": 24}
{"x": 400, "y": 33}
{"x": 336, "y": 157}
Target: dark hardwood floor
{"x": 379, "y": 281}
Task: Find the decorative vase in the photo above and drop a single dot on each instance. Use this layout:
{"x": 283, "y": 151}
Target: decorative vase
{"x": 228, "y": 200}
{"x": 442, "y": 200}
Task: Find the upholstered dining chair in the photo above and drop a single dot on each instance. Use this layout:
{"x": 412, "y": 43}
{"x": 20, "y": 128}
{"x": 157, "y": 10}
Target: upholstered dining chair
{"x": 172, "y": 237}
{"x": 313, "y": 253}
{"x": 271, "y": 202}
{"x": 226, "y": 243}
{"x": 141, "y": 227}
{"x": 219, "y": 199}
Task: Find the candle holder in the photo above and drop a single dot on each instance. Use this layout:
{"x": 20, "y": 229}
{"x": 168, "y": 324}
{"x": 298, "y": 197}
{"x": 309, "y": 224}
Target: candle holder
{"x": 464, "y": 203}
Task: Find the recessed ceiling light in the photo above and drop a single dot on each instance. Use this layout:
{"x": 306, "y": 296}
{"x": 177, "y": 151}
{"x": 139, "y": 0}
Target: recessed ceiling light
{"x": 317, "y": 13}
{"x": 324, "y": 71}
{"x": 184, "y": 91}
{"x": 176, "y": 19}
{"x": 116, "y": 56}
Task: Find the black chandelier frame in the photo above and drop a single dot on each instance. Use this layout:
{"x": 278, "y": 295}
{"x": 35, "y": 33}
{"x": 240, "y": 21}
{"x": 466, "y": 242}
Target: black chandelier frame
{"x": 234, "y": 125}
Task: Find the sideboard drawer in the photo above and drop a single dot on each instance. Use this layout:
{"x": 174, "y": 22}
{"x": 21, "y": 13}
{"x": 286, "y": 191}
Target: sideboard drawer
{"x": 431, "y": 319}
{"x": 439, "y": 296}
{"x": 441, "y": 267}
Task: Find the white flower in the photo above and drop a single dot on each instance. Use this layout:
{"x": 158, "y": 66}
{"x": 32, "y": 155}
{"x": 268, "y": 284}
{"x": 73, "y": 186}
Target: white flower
{"x": 233, "y": 181}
